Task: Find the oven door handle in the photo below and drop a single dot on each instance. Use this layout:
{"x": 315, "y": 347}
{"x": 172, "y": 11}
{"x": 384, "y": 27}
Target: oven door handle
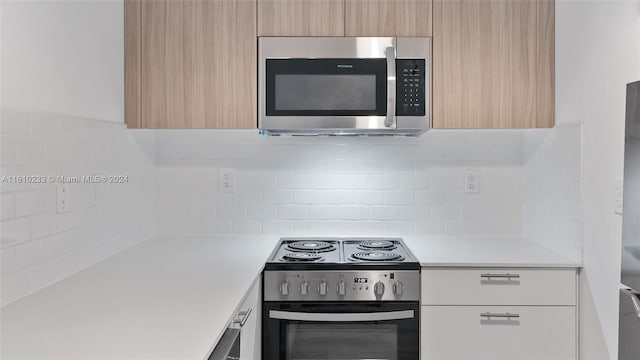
{"x": 341, "y": 317}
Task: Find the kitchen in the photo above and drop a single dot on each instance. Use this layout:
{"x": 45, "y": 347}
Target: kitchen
{"x": 160, "y": 265}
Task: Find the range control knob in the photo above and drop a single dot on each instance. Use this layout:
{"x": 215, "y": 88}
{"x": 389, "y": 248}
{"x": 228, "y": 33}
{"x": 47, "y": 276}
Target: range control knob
{"x": 342, "y": 288}
{"x": 304, "y": 288}
{"x": 284, "y": 288}
{"x": 378, "y": 288}
{"x": 322, "y": 288}
{"x": 397, "y": 288}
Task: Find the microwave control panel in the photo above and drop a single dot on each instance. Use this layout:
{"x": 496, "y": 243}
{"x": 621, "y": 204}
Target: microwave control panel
{"x": 410, "y": 87}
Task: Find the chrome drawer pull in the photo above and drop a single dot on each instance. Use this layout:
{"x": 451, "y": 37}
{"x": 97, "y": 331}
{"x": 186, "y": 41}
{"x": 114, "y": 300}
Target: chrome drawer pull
{"x": 634, "y": 298}
{"x": 500, "y": 276}
{"x": 506, "y": 315}
{"x": 245, "y": 316}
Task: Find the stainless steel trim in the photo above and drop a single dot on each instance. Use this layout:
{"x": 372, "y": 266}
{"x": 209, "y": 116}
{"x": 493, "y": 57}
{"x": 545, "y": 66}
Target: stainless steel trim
{"x": 634, "y": 298}
{"x": 339, "y": 317}
{"x": 244, "y": 317}
{"x": 500, "y": 276}
{"x": 499, "y": 315}
{"x": 329, "y": 279}
{"x": 224, "y": 348}
{"x": 391, "y": 87}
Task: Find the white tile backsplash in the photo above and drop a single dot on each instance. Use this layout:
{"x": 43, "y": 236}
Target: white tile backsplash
{"x": 40, "y": 246}
{"x": 349, "y": 186}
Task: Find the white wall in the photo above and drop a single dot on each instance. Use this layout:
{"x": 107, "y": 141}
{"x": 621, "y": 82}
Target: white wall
{"x": 63, "y": 57}
{"x": 597, "y": 53}
{"x": 62, "y": 105}
{"x": 552, "y": 189}
{"x": 355, "y": 186}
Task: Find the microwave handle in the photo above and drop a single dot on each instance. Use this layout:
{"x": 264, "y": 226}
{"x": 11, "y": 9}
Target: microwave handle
{"x": 391, "y": 87}
{"x": 341, "y": 317}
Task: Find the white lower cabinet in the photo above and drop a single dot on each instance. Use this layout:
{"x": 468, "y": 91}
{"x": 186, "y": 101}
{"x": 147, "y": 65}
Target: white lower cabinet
{"x": 250, "y": 335}
{"x": 499, "y": 314}
{"x": 470, "y": 333}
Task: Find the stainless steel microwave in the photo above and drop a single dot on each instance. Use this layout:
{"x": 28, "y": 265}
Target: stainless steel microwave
{"x": 344, "y": 85}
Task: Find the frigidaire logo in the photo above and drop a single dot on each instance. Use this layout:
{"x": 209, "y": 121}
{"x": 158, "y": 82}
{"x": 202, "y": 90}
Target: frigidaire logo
{"x": 345, "y": 66}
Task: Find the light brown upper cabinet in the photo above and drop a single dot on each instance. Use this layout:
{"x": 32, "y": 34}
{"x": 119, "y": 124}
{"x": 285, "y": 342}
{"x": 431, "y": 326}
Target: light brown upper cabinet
{"x": 300, "y": 17}
{"x": 190, "y": 64}
{"x": 493, "y": 64}
{"x": 388, "y": 17}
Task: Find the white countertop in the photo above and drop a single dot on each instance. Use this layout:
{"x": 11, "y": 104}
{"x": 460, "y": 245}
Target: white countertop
{"x": 172, "y": 298}
{"x": 167, "y": 298}
{"x": 485, "y": 252}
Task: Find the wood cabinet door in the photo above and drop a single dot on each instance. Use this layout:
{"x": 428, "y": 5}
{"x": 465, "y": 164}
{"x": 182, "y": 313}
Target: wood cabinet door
{"x": 467, "y": 333}
{"x": 388, "y": 17}
{"x": 198, "y": 64}
{"x": 300, "y": 17}
{"x": 493, "y": 64}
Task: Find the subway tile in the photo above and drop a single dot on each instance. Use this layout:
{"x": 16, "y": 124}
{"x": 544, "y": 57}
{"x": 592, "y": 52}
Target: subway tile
{"x": 460, "y": 228}
{"x": 383, "y": 213}
{"x": 247, "y": 227}
{"x": 277, "y": 197}
{"x": 368, "y": 197}
{"x": 7, "y": 203}
{"x": 430, "y": 228}
{"x": 338, "y": 212}
{"x": 382, "y": 182}
{"x": 277, "y": 227}
{"x": 413, "y": 182}
{"x": 15, "y": 230}
{"x": 445, "y": 183}
{"x": 414, "y": 213}
{"x": 399, "y": 228}
{"x": 444, "y": 213}
{"x": 399, "y": 198}
{"x": 35, "y": 201}
{"x": 338, "y": 181}
{"x": 337, "y": 228}
{"x": 323, "y": 197}
{"x": 292, "y": 212}
{"x": 429, "y": 198}
{"x": 43, "y": 225}
{"x": 262, "y": 212}
{"x": 293, "y": 181}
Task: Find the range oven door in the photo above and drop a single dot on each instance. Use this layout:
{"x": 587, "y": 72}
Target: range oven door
{"x": 345, "y": 331}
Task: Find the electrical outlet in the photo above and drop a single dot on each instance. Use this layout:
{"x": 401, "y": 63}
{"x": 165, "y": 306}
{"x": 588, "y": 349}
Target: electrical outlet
{"x": 62, "y": 199}
{"x": 227, "y": 180}
{"x": 471, "y": 181}
{"x": 619, "y": 197}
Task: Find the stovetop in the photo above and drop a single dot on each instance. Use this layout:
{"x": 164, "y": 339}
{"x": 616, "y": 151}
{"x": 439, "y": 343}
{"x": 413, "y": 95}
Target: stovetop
{"x": 341, "y": 253}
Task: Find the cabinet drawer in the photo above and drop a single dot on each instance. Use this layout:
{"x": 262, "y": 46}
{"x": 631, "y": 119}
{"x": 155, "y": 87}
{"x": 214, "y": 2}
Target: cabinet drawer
{"x": 498, "y": 286}
{"x": 462, "y": 333}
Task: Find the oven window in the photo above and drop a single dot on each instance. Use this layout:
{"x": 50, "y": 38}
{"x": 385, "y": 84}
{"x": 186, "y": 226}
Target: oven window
{"x": 341, "y": 341}
{"x": 325, "y": 92}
